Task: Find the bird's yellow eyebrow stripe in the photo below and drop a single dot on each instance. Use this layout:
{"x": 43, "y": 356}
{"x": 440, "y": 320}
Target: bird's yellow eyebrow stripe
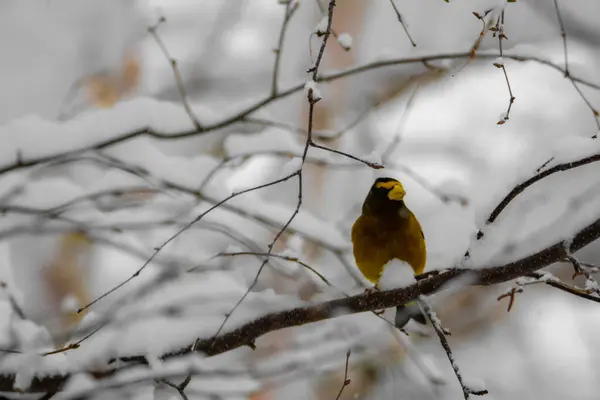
{"x": 386, "y": 185}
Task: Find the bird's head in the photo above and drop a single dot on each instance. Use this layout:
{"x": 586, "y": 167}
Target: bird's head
{"x": 386, "y": 197}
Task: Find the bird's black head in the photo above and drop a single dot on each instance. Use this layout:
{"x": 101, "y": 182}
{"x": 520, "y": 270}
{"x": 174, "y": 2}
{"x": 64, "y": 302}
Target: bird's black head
{"x": 385, "y": 198}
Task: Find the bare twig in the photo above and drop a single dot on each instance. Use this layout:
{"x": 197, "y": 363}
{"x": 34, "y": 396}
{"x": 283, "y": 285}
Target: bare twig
{"x": 484, "y": 30}
{"x": 399, "y": 16}
{"x": 555, "y": 283}
{"x": 373, "y": 165}
{"x": 281, "y": 257}
{"x": 181, "y": 387}
{"x": 498, "y": 30}
{"x": 403, "y": 118}
{"x": 563, "y": 34}
{"x": 315, "y": 68}
{"x": 290, "y": 7}
{"x": 198, "y": 218}
{"x": 312, "y": 100}
{"x": 346, "y": 379}
{"x": 520, "y": 188}
{"x": 153, "y": 30}
{"x": 441, "y": 332}
{"x": 591, "y": 285}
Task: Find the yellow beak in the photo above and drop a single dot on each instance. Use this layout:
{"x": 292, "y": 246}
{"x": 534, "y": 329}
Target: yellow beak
{"x": 397, "y": 193}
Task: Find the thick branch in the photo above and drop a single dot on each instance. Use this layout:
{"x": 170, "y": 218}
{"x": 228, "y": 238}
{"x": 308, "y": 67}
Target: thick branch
{"x": 427, "y": 284}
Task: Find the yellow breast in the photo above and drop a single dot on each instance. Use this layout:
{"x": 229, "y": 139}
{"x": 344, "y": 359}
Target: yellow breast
{"x": 375, "y": 243}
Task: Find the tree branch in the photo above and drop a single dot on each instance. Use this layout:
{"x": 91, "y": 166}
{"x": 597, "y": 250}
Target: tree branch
{"x": 240, "y": 116}
{"x": 426, "y": 284}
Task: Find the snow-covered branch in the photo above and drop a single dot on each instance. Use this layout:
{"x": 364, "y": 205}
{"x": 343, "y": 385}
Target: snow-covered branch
{"x": 427, "y": 284}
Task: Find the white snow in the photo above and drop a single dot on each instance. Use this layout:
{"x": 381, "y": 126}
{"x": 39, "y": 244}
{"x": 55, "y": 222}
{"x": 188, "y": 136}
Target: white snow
{"x": 311, "y": 88}
{"x": 475, "y": 384}
{"x": 373, "y": 157}
{"x": 70, "y": 304}
{"x": 396, "y": 274}
{"x": 345, "y": 40}
{"x": 290, "y": 167}
{"x": 321, "y": 27}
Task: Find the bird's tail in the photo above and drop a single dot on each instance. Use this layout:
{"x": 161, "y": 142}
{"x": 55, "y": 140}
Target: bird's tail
{"x": 407, "y": 311}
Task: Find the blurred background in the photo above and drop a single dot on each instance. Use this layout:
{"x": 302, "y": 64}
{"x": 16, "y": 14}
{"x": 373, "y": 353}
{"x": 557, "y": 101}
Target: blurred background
{"x": 434, "y": 124}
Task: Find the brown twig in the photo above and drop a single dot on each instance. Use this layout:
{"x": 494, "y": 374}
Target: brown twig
{"x": 403, "y": 118}
{"x": 290, "y": 7}
{"x": 279, "y": 256}
{"x": 312, "y": 100}
{"x": 441, "y": 333}
{"x": 399, "y": 16}
{"x": 346, "y": 381}
{"x": 373, "y": 165}
{"x": 520, "y": 188}
{"x": 153, "y": 30}
{"x": 484, "y": 30}
{"x": 498, "y": 31}
{"x": 563, "y": 34}
{"x": 173, "y": 237}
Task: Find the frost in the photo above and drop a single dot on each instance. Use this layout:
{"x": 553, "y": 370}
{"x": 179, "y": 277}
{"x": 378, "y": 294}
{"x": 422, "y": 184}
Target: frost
{"x": 311, "y": 88}
{"x": 498, "y": 62}
{"x": 396, "y": 274}
{"x": 345, "y": 40}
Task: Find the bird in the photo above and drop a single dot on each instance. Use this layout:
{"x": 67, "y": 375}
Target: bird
{"x": 387, "y": 229}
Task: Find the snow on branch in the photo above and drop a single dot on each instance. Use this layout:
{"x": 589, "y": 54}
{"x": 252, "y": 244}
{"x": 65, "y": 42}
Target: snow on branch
{"x": 426, "y": 284}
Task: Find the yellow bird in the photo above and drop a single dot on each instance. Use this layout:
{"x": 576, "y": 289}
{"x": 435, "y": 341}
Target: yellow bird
{"x": 388, "y": 230}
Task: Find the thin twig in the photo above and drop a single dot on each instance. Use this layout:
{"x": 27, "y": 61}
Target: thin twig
{"x": 498, "y": 30}
{"x": 279, "y": 256}
{"x": 399, "y": 16}
{"x": 346, "y": 381}
{"x": 563, "y": 34}
{"x": 591, "y": 285}
{"x": 403, "y": 118}
{"x": 315, "y": 68}
{"x": 312, "y": 100}
{"x": 181, "y": 387}
{"x": 441, "y": 332}
{"x": 484, "y": 30}
{"x": 290, "y": 7}
{"x": 153, "y": 30}
{"x": 173, "y": 237}
{"x": 520, "y": 188}
{"x": 373, "y": 165}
